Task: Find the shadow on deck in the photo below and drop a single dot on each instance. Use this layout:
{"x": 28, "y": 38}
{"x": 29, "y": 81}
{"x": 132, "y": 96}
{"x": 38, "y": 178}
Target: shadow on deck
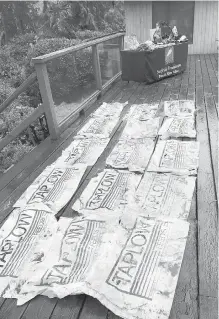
{"x": 196, "y": 293}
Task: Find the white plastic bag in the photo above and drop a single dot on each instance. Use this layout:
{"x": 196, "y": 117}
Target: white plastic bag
{"x": 132, "y": 272}
{"x": 54, "y": 186}
{"x": 142, "y": 112}
{"x": 133, "y": 154}
{"x": 108, "y": 191}
{"x": 83, "y": 151}
{"x": 98, "y": 127}
{"x": 181, "y": 108}
{"x": 19, "y": 236}
{"x": 178, "y": 127}
{"x": 176, "y": 157}
{"x": 141, "y": 129}
{"x": 130, "y": 42}
{"x": 113, "y": 109}
{"x": 165, "y": 195}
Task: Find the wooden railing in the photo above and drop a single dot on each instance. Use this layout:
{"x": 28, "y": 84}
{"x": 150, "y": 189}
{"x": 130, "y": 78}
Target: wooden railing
{"x": 37, "y": 113}
{"x": 46, "y": 109}
{"x": 44, "y": 84}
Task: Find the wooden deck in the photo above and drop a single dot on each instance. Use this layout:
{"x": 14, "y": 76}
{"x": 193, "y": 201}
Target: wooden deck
{"x": 197, "y": 290}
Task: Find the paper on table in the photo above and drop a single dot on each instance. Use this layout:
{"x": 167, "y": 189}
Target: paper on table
{"x": 109, "y": 109}
{"x": 19, "y": 236}
{"x": 181, "y": 108}
{"x": 133, "y": 154}
{"x": 163, "y": 194}
{"x": 84, "y": 151}
{"x": 133, "y": 273}
{"x": 54, "y": 186}
{"x": 176, "y": 157}
{"x": 141, "y": 129}
{"x": 98, "y": 127}
{"x": 109, "y": 190}
{"x": 178, "y": 127}
{"x": 142, "y": 112}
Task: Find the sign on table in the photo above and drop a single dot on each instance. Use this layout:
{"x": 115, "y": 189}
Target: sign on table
{"x": 98, "y": 127}
{"x": 163, "y": 194}
{"x": 178, "y": 127}
{"x": 54, "y": 186}
{"x": 19, "y": 236}
{"x": 84, "y": 151}
{"x": 109, "y": 109}
{"x": 141, "y": 129}
{"x": 108, "y": 191}
{"x": 133, "y": 273}
{"x": 181, "y": 108}
{"x": 176, "y": 157}
{"x": 133, "y": 154}
{"x": 142, "y": 112}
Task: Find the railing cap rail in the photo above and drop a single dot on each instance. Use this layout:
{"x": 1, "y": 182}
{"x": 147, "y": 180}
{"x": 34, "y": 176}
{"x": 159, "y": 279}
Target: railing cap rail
{"x": 47, "y": 57}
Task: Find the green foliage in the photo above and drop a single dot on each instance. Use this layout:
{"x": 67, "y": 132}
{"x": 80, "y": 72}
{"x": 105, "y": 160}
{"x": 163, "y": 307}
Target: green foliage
{"x": 34, "y": 28}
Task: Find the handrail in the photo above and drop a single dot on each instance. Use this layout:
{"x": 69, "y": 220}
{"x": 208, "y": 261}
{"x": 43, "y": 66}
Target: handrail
{"x": 18, "y": 91}
{"x": 47, "y": 57}
{"x": 21, "y": 127}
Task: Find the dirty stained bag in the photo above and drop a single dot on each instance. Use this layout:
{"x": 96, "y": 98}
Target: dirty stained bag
{"x": 142, "y": 112}
{"x": 109, "y": 109}
{"x": 141, "y": 129}
{"x": 19, "y": 236}
{"x": 83, "y": 151}
{"x": 98, "y": 127}
{"x": 176, "y": 157}
{"x": 133, "y": 154}
{"x": 108, "y": 191}
{"x": 165, "y": 195}
{"x": 132, "y": 272}
{"x": 179, "y": 108}
{"x": 178, "y": 127}
{"x": 54, "y": 186}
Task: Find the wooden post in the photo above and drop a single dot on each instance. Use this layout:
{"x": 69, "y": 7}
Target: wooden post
{"x": 121, "y": 47}
{"x": 46, "y": 94}
{"x": 121, "y": 42}
{"x": 96, "y": 65}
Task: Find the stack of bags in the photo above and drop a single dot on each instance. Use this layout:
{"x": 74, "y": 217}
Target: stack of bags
{"x": 126, "y": 244}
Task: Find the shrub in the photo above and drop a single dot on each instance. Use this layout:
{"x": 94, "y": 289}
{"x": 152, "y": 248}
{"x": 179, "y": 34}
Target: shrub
{"x": 68, "y": 72}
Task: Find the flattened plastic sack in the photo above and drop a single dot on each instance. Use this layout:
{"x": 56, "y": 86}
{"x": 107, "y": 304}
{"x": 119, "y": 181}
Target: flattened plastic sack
{"x": 133, "y": 272}
{"x": 133, "y": 154}
{"x": 142, "y": 112}
{"x": 109, "y": 109}
{"x": 177, "y": 157}
{"x": 54, "y": 187}
{"x": 98, "y": 127}
{"x": 84, "y": 151}
{"x": 108, "y": 191}
{"x": 163, "y": 195}
{"x": 69, "y": 258}
{"x": 130, "y": 42}
{"x": 141, "y": 129}
{"x": 178, "y": 127}
{"x": 181, "y": 108}
{"x": 19, "y": 236}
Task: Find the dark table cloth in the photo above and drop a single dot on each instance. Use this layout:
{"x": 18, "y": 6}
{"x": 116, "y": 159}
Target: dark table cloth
{"x": 153, "y": 66}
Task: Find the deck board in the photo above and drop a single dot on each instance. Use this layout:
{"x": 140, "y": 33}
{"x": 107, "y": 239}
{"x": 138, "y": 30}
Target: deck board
{"x": 197, "y": 285}
{"x": 206, "y": 196}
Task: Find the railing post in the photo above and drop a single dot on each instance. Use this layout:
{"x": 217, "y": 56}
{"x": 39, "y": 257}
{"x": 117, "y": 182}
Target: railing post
{"x": 46, "y": 94}
{"x": 121, "y": 47}
{"x": 96, "y": 65}
{"x": 121, "y": 42}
